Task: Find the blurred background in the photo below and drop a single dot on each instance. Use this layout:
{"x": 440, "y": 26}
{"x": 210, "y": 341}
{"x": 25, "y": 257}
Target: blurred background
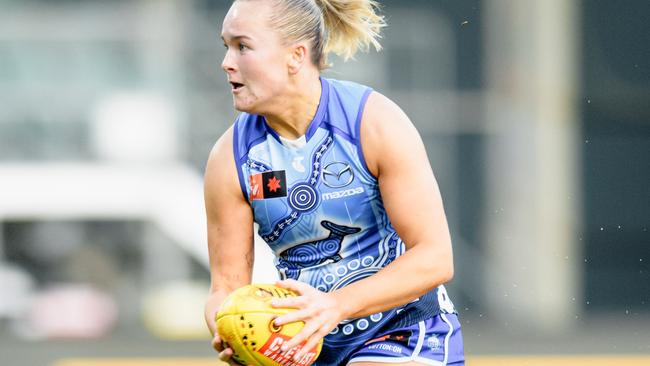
{"x": 536, "y": 117}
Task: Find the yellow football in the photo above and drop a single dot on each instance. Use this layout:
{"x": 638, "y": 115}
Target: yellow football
{"x": 245, "y": 324}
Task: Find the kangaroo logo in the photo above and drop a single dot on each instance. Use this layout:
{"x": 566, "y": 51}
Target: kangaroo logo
{"x": 308, "y": 254}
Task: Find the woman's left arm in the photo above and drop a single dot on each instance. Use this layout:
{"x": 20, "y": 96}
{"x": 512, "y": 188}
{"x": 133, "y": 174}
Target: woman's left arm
{"x": 395, "y": 154}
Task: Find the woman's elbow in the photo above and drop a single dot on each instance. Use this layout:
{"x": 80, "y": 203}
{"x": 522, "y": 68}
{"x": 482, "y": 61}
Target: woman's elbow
{"x": 447, "y": 273}
{"x": 446, "y": 268}
{"x": 442, "y": 273}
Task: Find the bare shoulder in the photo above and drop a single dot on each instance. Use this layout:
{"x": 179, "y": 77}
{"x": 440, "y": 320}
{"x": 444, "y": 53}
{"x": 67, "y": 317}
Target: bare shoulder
{"x": 385, "y": 128}
{"x": 220, "y": 157}
{"x": 221, "y": 179}
{"x": 222, "y": 149}
{"x": 384, "y": 115}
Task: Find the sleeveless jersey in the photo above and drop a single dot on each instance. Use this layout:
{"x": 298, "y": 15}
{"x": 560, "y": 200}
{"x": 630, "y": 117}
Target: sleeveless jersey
{"x": 320, "y": 210}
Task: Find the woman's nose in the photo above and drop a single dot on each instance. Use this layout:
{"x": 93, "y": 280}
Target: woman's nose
{"x": 227, "y": 64}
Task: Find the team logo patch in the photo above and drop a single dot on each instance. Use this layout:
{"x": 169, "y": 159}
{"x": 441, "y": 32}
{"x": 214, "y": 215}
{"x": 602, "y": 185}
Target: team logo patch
{"x": 434, "y": 342}
{"x": 265, "y": 185}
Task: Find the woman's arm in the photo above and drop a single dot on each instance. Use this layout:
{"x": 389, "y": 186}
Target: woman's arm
{"x": 395, "y": 154}
{"x": 230, "y": 228}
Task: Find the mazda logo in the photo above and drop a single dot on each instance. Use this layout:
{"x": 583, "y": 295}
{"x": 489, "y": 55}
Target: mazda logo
{"x": 337, "y": 174}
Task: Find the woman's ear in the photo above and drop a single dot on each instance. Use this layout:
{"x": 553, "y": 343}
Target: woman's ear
{"x": 297, "y": 57}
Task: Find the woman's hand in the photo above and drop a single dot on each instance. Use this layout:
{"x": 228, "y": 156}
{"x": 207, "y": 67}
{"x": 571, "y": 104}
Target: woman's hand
{"x": 320, "y": 311}
{"x": 225, "y": 353}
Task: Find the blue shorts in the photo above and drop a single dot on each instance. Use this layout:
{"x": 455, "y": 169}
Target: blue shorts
{"x": 435, "y": 341}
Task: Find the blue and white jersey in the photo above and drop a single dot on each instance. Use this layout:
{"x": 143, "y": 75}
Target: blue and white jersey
{"x": 320, "y": 210}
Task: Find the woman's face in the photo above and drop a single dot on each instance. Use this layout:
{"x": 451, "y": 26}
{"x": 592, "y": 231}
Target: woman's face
{"x": 255, "y": 60}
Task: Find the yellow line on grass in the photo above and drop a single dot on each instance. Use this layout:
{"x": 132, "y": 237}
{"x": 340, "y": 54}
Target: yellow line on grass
{"x": 569, "y": 360}
{"x": 140, "y": 362}
{"x": 528, "y": 360}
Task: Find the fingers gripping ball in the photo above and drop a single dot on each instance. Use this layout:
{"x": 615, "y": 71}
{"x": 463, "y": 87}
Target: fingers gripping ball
{"x": 245, "y": 324}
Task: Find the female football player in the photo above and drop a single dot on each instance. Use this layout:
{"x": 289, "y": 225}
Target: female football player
{"x": 338, "y": 180}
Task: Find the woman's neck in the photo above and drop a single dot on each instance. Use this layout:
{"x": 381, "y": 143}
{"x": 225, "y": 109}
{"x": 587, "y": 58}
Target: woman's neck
{"x": 296, "y": 111}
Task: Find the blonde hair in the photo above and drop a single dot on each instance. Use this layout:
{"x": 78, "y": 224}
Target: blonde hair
{"x": 339, "y": 26}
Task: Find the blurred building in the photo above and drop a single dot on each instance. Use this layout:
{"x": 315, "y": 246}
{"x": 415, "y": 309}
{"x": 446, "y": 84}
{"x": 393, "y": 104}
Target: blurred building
{"x": 535, "y": 115}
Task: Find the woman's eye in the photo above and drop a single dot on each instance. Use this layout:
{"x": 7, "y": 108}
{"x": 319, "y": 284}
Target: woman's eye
{"x": 242, "y": 47}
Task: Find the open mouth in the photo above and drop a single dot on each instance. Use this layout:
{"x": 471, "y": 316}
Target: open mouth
{"x": 236, "y": 86}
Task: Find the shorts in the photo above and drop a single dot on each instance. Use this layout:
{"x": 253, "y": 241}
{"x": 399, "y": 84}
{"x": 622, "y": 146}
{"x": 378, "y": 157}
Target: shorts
{"x": 435, "y": 341}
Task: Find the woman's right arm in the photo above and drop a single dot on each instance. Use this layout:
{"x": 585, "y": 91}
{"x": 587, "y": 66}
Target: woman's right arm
{"x": 230, "y": 228}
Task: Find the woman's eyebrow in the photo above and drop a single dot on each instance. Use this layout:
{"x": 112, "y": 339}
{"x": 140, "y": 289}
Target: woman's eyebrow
{"x": 236, "y": 38}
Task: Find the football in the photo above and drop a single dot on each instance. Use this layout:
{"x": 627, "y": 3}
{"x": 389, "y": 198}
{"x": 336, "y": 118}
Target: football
{"x": 245, "y": 324}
